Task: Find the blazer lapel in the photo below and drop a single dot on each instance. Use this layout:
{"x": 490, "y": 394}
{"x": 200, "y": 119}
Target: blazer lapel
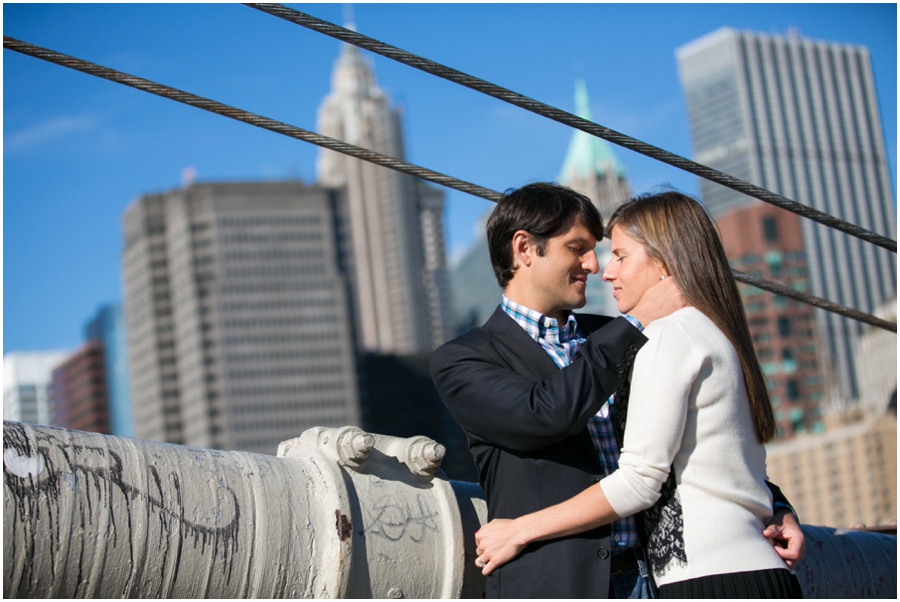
{"x": 520, "y": 342}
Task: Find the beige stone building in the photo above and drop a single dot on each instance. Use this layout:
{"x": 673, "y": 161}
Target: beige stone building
{"x": 847, "y": 474}
{"x": 401, "y": 300}
{"x": 238, "y": 316}
{"x": 876, "y": 363}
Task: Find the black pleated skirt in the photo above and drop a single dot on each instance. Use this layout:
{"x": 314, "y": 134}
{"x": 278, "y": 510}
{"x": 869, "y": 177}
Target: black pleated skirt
{"x": 771, "y": 583}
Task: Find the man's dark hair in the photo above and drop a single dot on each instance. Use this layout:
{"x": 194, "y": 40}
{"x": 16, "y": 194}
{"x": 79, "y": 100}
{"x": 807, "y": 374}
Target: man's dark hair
{"x": 542, "y": 209}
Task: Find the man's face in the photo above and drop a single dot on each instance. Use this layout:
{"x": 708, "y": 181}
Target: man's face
{"x": 559, "y": 277}
{"x": 631, "y": 271}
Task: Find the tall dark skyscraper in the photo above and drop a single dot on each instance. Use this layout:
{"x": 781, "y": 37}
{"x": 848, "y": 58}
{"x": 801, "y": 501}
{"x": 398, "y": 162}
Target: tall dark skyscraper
{"x": 800, "y": 117}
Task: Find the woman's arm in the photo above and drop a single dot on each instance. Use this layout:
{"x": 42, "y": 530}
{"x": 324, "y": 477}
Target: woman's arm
{"x": 501, "y": 540}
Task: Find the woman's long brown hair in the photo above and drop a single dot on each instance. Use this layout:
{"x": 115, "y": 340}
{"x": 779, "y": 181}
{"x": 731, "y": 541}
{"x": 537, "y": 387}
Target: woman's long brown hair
{"x": 676, "y": 232}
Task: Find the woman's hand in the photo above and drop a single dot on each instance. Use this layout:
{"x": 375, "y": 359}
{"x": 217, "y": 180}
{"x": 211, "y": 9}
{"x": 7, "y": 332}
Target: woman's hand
{"x": 498, "y": 542}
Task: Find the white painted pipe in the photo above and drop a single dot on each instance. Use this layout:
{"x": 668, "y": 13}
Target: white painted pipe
{"x": 340, "y": 514}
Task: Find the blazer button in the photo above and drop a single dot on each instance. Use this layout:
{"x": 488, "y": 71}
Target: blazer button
{"x": 620, "y": 369}
{"x": 629, "y": 355}
{"x": 633, "y": 349}
{"x": 603, "y": 553}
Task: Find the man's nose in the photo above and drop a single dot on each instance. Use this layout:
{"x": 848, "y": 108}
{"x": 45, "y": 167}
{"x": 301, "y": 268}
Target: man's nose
{"x": 590, "y": 262}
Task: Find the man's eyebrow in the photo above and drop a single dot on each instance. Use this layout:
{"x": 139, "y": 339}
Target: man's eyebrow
{"x": 581, "y": 239}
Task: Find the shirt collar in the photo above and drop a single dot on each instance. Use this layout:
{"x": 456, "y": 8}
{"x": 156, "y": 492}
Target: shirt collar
{"x": 539, "y": 326}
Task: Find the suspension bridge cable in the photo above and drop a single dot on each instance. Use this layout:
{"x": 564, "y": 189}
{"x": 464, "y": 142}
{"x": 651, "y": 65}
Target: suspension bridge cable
{"x": 358, "y": 152}
{"x": 545, "y": 110}
{"x": 784, "y": 291}
{"x": 247, "y": 117}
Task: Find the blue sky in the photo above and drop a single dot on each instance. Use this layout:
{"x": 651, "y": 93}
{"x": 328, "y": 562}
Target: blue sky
{"x": 77, "y": 150}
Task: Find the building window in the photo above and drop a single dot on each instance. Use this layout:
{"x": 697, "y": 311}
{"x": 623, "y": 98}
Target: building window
{"x": 793, "y": 390}
{"x": 784, "y": 327}
{"x": 770, "y": 229}
{"x": 775, "y": 261}
{"x": 788, "y": 363}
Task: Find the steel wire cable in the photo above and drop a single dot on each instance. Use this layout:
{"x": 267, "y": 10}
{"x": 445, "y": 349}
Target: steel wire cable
{"x": 785, "y": 291}
{"x": 545, "y": 110}
{"x": 247, "y": 117}
{"x": 360, "y": 153}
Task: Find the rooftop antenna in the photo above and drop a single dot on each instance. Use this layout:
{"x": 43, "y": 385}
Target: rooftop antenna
{"x": 347, "y": 10}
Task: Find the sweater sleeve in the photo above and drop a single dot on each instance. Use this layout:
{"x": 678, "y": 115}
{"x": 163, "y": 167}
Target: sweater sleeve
{"x": 665, "y": 371}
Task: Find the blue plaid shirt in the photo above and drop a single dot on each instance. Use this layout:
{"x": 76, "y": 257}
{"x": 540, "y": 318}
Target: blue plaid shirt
{"x": 561, "y": 344}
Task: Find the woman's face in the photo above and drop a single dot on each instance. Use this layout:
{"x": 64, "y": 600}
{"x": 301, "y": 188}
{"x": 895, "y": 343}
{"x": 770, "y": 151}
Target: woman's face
{"x": 631, "y": 271}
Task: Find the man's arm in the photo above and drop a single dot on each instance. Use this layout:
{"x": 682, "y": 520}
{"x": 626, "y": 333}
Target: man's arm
{"x": 495, "y": 404}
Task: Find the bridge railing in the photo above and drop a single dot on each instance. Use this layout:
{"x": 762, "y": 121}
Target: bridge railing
{"x": 338, "y": 513}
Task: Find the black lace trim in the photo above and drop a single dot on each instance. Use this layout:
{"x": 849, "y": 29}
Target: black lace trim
{"x": 663, "y": 526}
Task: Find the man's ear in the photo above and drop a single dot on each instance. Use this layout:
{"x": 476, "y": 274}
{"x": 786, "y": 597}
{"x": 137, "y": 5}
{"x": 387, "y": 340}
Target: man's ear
{"x": 522, "y": 249}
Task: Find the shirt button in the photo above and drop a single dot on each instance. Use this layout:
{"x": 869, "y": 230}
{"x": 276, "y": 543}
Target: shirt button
{"x": 603, "y": 553}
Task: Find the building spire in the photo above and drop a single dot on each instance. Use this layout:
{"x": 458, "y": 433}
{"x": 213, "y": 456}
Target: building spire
{"x": 587, "y": 154}
{"x": 347, "y": 11}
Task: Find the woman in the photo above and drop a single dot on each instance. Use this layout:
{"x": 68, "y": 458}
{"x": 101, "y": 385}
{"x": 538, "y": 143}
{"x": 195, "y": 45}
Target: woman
{"x": 698, "y": 415}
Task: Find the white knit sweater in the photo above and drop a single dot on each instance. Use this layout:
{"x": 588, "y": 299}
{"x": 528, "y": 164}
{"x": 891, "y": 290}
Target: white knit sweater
{"x": 688, "y": 409}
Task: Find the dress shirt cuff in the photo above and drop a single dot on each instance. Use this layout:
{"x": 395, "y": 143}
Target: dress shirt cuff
{"x": 634, "y": 322}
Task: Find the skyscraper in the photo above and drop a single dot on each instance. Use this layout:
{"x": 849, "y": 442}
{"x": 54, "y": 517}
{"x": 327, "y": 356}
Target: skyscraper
{"x": 26, "y": 382}
{"x": 239, "y": 324}
{"x": 401, "y": 301}
{"x": 108, "y": 329}
{"x": 592, "y": 168}
{"x": 800, "y": 117}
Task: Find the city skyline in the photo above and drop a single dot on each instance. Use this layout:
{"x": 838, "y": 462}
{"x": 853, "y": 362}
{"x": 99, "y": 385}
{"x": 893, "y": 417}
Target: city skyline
{"x": 79, "y": 149}
{"x": 796, "y": 117}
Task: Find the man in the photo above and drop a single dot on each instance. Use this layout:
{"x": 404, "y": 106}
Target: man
{"x": 530, "y": 390}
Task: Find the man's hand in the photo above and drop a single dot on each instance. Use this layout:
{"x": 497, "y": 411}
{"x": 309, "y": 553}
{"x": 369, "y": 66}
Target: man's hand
{"x": 497, "y": 544}
{"x": 784, "y": 533}
{"x": 658, "y": 301}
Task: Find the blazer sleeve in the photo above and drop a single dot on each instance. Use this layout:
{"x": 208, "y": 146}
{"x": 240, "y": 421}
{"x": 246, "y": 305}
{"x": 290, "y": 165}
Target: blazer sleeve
{"x": 779, "y": 500}
{"x": 498, "y": 405}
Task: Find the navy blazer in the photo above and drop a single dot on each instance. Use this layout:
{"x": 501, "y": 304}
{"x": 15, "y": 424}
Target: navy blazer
{"x": 525, "y": 422}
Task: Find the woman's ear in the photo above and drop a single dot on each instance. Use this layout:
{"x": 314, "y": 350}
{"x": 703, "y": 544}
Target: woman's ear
{"x": 663, "y": 270}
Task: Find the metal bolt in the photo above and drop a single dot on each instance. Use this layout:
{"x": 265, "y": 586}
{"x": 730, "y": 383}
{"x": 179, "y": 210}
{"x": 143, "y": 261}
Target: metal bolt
{"x": 354, "y": 448}
{"x": 434, "y": 453}
{"x": 424, "y": 456}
